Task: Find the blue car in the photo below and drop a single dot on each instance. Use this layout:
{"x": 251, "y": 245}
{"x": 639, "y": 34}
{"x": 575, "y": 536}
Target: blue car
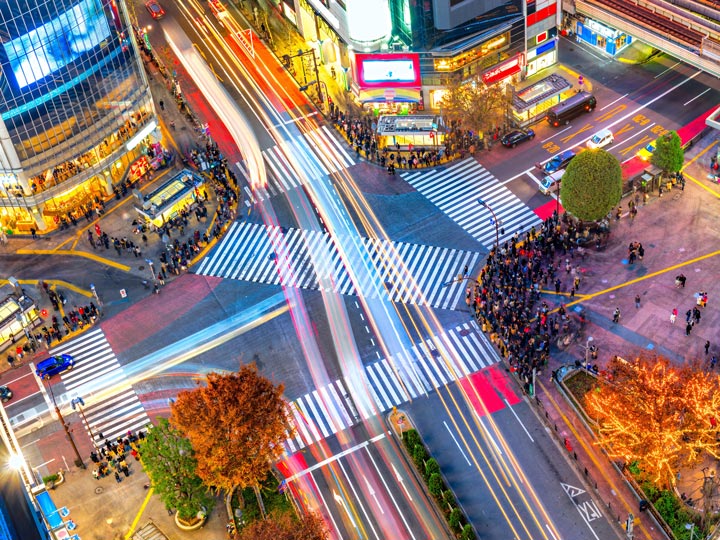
{"x": 54, "y": 365}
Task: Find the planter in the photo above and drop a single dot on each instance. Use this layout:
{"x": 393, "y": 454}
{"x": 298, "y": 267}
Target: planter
{"x": 191, "y": 525}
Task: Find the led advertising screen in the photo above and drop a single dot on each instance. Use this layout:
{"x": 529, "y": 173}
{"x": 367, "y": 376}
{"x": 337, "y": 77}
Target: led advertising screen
{"x": 388, "y": 70}
{"x": 55, "y": 44}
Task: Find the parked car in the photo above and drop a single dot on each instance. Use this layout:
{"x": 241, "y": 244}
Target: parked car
{"x": 601, "y": 139}
{"x": 512, "y": 139}
{"x": 557, "y": 162}
{"x": 645, "y": 152}
{"x": 54, "y": 365}
{"x": 155, "y": 9}
{"x": 5, "y": 394}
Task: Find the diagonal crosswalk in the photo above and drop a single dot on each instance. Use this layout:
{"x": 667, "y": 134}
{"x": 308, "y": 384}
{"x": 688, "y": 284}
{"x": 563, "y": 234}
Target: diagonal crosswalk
{"x": 308, "y": 153}
{"x": 112, "y": 408}
{"x": 427, "y": 366}
{"x": 405, "y": 273}
{"x": 455, "y": 190}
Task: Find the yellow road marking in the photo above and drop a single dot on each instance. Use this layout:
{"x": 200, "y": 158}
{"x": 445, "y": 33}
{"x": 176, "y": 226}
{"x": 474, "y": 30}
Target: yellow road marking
{"x": 52, "y": 282}
{"x": 135, "y": 522}
{"x": 75, "y": 253}
{"x": 624, "y": 129}
{"x": 642, "y": 142}
{"x": 643, "y": 278}
{"x": 567, "y": 138}
{"x": 612, "y": 112}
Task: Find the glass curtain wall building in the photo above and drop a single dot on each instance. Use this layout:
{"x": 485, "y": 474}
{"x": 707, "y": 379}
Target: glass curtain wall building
{"x": 74, "y": 106}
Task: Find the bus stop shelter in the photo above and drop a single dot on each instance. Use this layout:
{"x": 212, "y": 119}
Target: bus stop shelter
{"x": 166, "y": 202}
{"x": 412, "y": 131}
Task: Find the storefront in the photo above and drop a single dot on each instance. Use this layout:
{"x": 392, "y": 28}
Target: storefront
{"x": 542, "y": 56}
{"x": 387, "y": 82}
{"x": 602, "y": 37}
{"x": 410, "y": 132}
{"x": 531, "y": 102}
{"x": 166, "y": 202}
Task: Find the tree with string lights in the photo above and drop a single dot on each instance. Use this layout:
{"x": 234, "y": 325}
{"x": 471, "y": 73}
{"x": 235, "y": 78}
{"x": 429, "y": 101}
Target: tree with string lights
{"x": 657, "y": 414}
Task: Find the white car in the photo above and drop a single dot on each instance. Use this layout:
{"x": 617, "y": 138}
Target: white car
{"x": 601, "y": 139}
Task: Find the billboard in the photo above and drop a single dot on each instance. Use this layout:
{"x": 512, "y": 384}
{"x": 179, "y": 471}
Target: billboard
{"x": 387, "y": 70}
{"x": 55, "y": 44}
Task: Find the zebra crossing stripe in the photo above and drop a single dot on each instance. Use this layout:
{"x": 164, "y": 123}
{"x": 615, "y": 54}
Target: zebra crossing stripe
{"x": 455, "y": 190}
{"x": 97, "y": 369}
{"x": 403, "y": 272}
{"x": 433, "y": 362}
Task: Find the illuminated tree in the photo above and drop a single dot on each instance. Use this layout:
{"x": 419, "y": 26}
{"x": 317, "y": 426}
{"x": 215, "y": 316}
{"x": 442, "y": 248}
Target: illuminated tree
{"x": 591, "y": 185}
{"x": 237, "y": 425}
{"x": 668, "y": 155}
{"x": 286, "y": 527}
{"x": 169, "y": 461}
{"x": 657, "y": 414}
{"x": 476, "y": 106}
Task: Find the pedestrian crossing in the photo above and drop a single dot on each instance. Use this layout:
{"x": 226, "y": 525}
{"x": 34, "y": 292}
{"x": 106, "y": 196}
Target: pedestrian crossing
{"x": 455, "y": 190}
{"x": 427, "y": 366}
{"x": 96, "y": 374}
{"x": 317, "y": 153}
{"x": 406, "y": 273}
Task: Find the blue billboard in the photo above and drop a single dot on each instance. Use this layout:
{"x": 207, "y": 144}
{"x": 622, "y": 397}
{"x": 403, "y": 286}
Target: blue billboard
{"x": 55, "y": 44}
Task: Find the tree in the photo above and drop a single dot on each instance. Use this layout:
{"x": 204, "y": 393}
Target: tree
{"x": 286, "y": 527}
{"x": 668, "y": 155}
{"x": 476, "y": 106}
{"x": 169, "y": 461}
{"x": 237, "y": 425}
{"x": 591, "y": 185}
{"x": 657, "y": 414}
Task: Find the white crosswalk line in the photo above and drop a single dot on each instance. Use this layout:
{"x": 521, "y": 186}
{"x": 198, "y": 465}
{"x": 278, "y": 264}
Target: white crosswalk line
{"x": 455, "y": 190}
{"x": 96, "y": 371}
{"x": 321, "y": 413}
{"x": 407, "y": 273}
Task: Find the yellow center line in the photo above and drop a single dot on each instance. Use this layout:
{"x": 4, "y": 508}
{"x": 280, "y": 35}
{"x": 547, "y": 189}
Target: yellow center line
{"x": 85, "y": 254}
{"x": 643, "y": 278}
{"x": 129, "y": 534}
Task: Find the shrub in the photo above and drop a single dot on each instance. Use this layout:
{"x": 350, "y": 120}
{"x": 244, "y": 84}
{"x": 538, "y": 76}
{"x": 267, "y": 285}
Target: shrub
{"x": 51, "y": 479}
{"x": 454, "y": 519}
{"x": 448, "y": 497}
{"x": 435, "y": 485}
{"x": 431, "y": 467}
{"x": 467, "y": 533}
{"x": 419, "y": 455}
{"x": 411, "y": 438}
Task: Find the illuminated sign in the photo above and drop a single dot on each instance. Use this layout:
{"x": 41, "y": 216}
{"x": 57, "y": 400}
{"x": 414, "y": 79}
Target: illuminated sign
{"x": 503, "y": 71}
{"x": 542, "y": 36}
{"x": 47, "y": 48}
{"x": 387, "y": 70}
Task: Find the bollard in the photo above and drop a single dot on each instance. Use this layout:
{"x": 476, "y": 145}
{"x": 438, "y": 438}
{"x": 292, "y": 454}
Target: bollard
{"x": 568, "y": 446}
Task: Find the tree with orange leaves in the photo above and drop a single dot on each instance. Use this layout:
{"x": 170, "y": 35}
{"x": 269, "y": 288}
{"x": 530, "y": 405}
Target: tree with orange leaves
{"x": 237, "y": 425}
{"x": 657, "y": 414}
{"x": 286, "y": 527}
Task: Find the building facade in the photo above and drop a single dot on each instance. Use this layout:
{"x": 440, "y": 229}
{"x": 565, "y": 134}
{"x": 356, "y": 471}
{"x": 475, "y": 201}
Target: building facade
{"x": 75, "y": 106}
{"x": 453, "y": 40}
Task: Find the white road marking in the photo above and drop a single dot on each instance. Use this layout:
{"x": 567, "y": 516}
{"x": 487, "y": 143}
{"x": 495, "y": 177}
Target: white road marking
{"x": 613, "y": 102}
{"x": 457, "y": 443}
{"x": 693, "y": 99}
{"x": 518, "y": 419}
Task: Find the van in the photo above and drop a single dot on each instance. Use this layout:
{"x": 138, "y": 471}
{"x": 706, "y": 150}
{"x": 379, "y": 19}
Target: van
{"x": 562, "y": 113}
{"x": 602, "y": 138}
{"x": 546, "y": 186}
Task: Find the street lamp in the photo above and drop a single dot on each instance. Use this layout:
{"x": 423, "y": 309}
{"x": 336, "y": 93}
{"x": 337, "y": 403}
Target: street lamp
{"x": 80, "y": 403}
{"x": 587, "y": 350}
{"x": 557, "y": 198}
{"x": 495, "y": 221}
{"x": 78, "y": 461}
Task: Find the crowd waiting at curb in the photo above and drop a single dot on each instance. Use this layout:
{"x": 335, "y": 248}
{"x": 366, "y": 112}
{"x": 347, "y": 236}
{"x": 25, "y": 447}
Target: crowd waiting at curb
{"x": 506, "y": 297}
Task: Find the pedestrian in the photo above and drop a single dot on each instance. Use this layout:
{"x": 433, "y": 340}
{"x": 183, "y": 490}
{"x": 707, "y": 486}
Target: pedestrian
{"x": 673, "y": 315}
{"x": 688, "y": 328}
{"x": 637, "y": 301}
{"x": 117, "y": 477}
{"x": 558, "y": 283}
{"x": 713, "y": 361}
{"x": 696, "y": 315}
{"x": 162, "y": 105}
{"x": 688, "y": 315}
{"x": 707, "y": 347}
{"x": 126, "y": 471}
{"x": 94, "y": 457}
{"x": 156, "y": 288}
{"x": 465, "y": 271}
{"x": 11, "y": 360}
{"x": 616, "y": 315}
{"x": 640, "y": 251}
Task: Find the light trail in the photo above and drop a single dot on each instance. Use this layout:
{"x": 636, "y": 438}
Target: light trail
{"x": 388, "y": 326}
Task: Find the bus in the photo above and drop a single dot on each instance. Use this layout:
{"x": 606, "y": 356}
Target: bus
{"x": 563, "y": 112}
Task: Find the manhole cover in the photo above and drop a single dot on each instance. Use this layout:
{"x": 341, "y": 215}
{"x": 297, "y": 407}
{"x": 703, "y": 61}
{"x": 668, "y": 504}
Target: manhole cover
{"x": 464, "y": 332}
{"x": 98, "y": 490}
{"x": 435, "y": 353}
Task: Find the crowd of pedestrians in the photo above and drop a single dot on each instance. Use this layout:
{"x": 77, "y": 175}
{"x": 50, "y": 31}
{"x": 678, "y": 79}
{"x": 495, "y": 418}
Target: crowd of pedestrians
{"x": 506, "y": 297}
{"x": 111, "y": 458}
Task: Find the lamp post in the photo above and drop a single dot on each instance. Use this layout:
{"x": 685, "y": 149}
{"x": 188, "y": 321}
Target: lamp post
{"x": 78, "y": 460}
{"x": 557, "y": 198}
{"x": 497, "y": 234}
{"x": 302, "y": 54}
{"x": 587, "y": 350}
{"x": 80, "y": 403}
